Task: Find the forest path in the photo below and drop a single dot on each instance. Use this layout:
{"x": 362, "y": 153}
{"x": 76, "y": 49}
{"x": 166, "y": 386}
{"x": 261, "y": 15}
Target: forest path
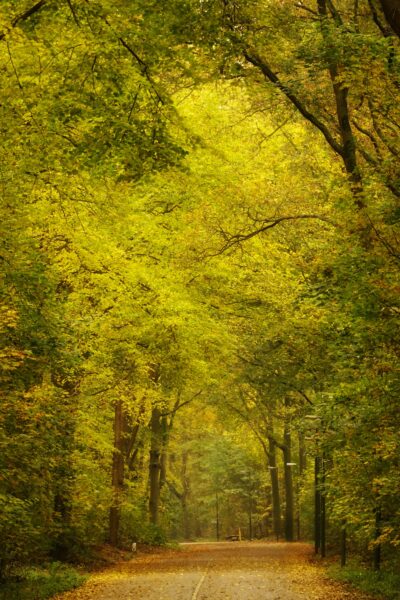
{"x": 217, "y": 571}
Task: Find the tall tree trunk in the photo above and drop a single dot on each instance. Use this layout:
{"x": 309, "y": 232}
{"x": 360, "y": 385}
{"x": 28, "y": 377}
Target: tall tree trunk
{"x": 155, "y": 464}
{"x": 250, "y": 518}
{"x": 217, "y": 523}
{"x": 391, "y": 8}
{"x": 289, "y": 495}
{"x": 317, "y": 511}
{"x": 302, "y": 454}
{"x": 117, "y": 474}
{"x": 276, "y": 500}
{"x": 301, "y": 469}
{"x": 348, "y": 149}
{"x": 163, "y": 451}
{"x": 185, "y": 496}
{"x": 323, "y": 507}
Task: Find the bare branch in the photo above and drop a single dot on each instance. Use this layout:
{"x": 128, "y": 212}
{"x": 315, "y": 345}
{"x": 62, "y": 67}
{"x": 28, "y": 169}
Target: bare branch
{"x": 238, "y": 238}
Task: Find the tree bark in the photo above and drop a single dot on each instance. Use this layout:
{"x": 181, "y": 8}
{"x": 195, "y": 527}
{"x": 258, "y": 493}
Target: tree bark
{"x": 185, "y": 496}
{"x": 117, "y": 473}
{"x": 302, "y": 454}
{"x": 317, "y": 510}
{"x": 163, "y": 452}
{"x": 155, "y": 464}
{"x": 391, "y": 9}
{"x": 323, "y": 507}
{"x": 276, "y": 501}
{"x": 341, "y": 91}
{"x": 289, "y": 495}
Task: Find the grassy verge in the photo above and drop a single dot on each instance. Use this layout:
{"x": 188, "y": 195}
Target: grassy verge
{"x": 378, "y": 583}
{"x": 40, "y": 583}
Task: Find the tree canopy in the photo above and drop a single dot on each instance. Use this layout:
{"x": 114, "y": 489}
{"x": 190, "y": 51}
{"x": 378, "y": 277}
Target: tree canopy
{"x": 199, "y": 293}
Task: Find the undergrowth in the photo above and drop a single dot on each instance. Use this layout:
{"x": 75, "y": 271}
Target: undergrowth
{"x": 36, "y": 583}
{"x": 382, "y": 584}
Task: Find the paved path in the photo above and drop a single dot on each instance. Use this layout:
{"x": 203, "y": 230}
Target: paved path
{"x": 219, "y": 571}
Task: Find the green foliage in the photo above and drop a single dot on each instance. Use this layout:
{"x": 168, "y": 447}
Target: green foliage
{"x": 39, "y": 584}
{"x": 199, "y": 251}
{"x": 381, "y": 584}
{"x": 135, "y": 526}
{"x": 20, "y": 536}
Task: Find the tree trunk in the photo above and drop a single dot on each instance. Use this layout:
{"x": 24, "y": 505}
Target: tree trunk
{"x": 163, "y": 451}
{"x": 317, "y": 513}
{"x": 391, "y": 8}
{"x": 301, "y": 470}
{"x": 340, "y": 90}
{"x": 276, "y": 501}
{"x": 155, "y": 464}
{"x": 117, "y": 474}
{"x": 302, "y": 454}
{"x": 185, "y": 497}
{"x": 289, "y": 495}
{"x": 250, "y": 518}
{"x": 323, "y": 507}
{"x": 217, "y": 524}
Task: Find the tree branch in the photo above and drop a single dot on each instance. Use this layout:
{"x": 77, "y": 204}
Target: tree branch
{"x": 25, "y": 15}
{"x": 173, "y": 489}
{"x": 267, "y": 224}
{"x": 73, "y": 11}
{"x": 256, "y": 61}
{"x": 144, "y": 69}
{"x": 179, "y": 404}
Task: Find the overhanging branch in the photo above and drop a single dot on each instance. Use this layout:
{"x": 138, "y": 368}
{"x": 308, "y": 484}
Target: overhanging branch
{"x": 265, "y": 69}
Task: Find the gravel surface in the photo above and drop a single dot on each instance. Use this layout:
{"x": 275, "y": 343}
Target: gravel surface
{"x": 217, "y": 571}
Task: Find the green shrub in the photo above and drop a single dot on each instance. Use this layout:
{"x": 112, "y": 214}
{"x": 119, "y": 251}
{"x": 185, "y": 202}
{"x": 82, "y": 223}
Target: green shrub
{"x": 19, "y": 537}
{"x": 383, "y": 584}
{"x": 39, "y": 584}
{"x": 136, "y": 528}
